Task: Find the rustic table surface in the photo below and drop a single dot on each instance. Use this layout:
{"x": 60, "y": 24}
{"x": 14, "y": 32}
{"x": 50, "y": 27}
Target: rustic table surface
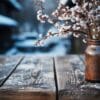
{"x": 45, "y": 78}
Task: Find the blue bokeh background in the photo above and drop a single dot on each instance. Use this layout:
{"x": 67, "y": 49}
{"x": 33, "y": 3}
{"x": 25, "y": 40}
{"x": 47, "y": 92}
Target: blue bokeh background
{"x": 19, "y": 29}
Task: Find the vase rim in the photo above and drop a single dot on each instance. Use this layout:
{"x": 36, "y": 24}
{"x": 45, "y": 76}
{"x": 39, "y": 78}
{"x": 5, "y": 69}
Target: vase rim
{"x": 93, "y": 40}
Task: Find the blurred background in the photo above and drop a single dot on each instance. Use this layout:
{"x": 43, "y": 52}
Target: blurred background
{"x": 19, "y": 29}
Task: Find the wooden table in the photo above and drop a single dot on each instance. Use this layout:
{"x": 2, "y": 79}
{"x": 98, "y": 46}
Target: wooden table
{"x": 45, "y": 78}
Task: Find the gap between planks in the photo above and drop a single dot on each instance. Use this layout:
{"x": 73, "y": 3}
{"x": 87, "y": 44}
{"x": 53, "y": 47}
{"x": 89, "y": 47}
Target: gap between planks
{"x": 41, "y": 71}
{"x": 55, "y": 77}
{"x": 11, "y": 72}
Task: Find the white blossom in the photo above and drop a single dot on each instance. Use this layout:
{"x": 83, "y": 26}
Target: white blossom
{"x": 63, "y": 2}
{"x": 42, "y": 0}
{"x": 83, "y": 19}
{"x": 74, "y": 1}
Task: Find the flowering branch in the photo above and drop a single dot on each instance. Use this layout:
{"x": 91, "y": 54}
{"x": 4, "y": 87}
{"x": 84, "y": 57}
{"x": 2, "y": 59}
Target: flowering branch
{"x": 82, "y": 20}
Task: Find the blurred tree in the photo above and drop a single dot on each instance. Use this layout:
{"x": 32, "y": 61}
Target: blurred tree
{"x": 7, "y": 23}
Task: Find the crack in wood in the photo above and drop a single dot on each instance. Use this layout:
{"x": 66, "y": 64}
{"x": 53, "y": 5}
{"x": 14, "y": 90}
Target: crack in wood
{"x": 9, "y": 73}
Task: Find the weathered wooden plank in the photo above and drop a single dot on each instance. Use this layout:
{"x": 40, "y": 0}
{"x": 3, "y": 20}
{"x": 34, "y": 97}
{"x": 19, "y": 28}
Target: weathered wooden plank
{"x": 70, "y": 79}
{"x": 7, "y": 65}
{"x": 32, "y": 80}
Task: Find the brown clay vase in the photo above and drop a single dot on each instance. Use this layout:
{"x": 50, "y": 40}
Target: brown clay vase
{"x": 92, "y": 61}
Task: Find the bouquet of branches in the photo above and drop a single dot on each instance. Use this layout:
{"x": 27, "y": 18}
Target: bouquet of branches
{"x": 81, "y": 20}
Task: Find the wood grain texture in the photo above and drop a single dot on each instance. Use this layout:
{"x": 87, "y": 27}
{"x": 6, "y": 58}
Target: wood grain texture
{"x": 7, "y": 65}
{"x": 70, "y": 79}
{"x": 32, "y": 80}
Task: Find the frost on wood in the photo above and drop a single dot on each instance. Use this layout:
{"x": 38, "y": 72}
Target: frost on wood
{"x": 82, "y": 20}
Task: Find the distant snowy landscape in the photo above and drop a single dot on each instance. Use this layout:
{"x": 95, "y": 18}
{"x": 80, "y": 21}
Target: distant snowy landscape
{"x": 20, "y": 29}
